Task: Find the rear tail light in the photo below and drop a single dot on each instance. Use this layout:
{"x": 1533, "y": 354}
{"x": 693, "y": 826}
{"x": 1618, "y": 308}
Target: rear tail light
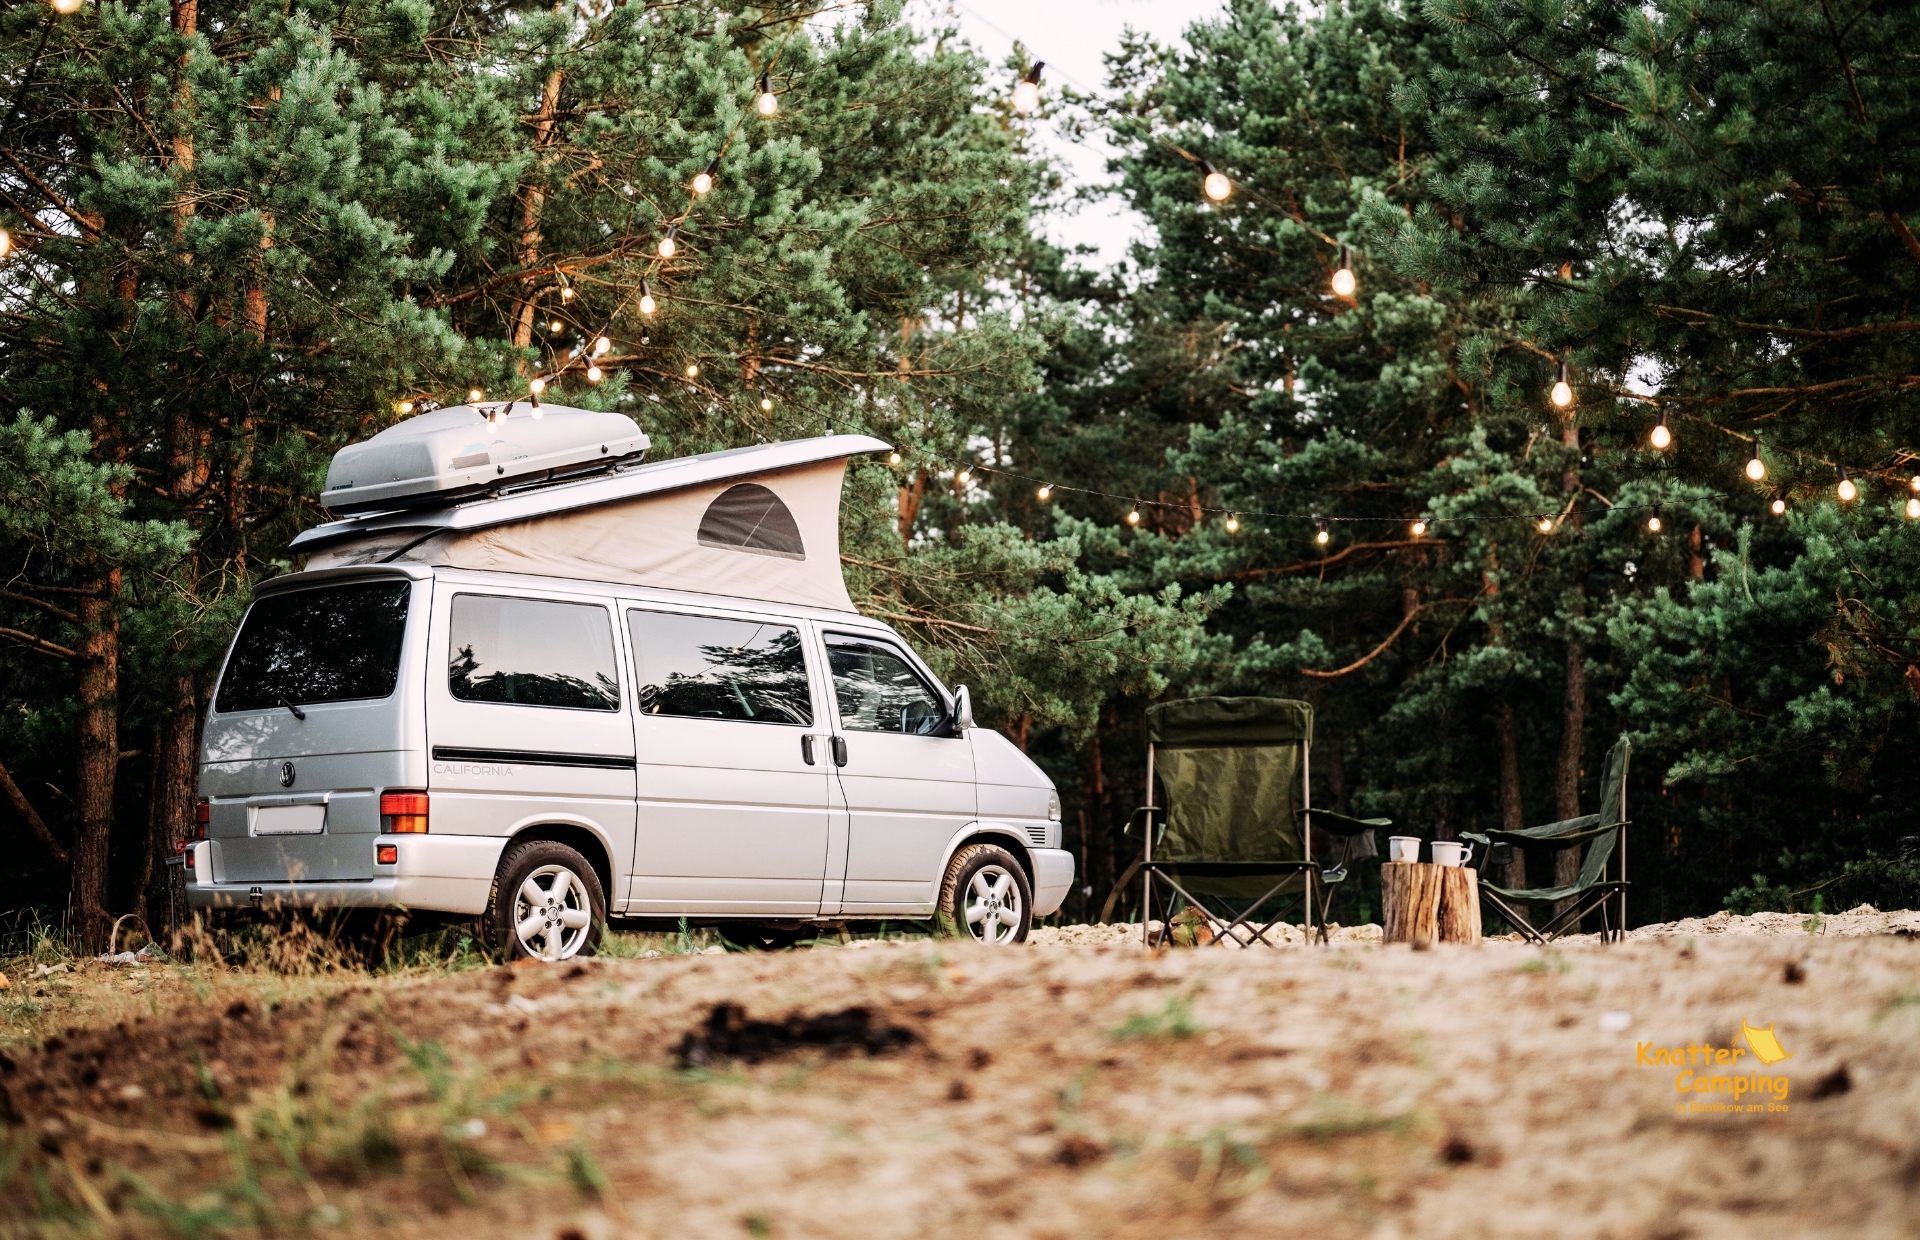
{"x": 202, "y": 815}
{"x": 403, "y": 813}
{"x": 386, "y": 854}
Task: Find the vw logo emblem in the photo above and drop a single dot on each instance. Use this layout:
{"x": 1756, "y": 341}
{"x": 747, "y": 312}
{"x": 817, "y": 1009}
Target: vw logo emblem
{"x": 286, "y": 774}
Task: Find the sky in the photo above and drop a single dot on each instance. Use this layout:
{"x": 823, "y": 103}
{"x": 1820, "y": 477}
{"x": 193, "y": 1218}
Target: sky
{"x": 1071, "y": 36}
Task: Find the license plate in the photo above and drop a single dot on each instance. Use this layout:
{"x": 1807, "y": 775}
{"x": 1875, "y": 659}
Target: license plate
{"x": 289, "y": 819}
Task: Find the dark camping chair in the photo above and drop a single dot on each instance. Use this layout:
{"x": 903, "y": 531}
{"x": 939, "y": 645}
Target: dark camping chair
{"x": 1226, "y": 814}
{"x": 1604, "y": 836}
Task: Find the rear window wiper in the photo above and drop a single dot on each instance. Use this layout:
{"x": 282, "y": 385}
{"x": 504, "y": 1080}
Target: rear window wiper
{"x": 297, "y": 712}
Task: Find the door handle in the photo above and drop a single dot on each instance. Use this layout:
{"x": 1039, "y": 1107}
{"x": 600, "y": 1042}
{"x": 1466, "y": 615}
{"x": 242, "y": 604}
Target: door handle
{"x": 806, "y": 748}
{"x": 839, "y": 744}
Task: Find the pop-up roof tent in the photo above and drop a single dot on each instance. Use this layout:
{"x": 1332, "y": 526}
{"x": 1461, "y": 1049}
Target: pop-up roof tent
{"x": 760, "y": 522}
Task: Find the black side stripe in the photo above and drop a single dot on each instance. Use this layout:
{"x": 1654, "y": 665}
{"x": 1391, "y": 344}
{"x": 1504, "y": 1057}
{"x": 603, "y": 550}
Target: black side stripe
{"x": 612, "y": 762}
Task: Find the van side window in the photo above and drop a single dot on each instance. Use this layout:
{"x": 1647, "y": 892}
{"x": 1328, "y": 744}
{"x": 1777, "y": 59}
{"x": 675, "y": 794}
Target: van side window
{"x": 532, "y": 652}
{"x": 704, "y": 667}
{"x": 877, "y": 690}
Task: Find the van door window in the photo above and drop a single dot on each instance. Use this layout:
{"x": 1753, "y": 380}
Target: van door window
{"x": 704, "y": 667}
{"x": 877, "y": 690}
{"x": 305, "y": 647}
{"x": 532, "y": 652}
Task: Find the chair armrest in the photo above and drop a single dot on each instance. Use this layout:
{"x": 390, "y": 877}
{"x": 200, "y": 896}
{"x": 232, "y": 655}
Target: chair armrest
{"x": 1148, "y": 810}
{"x": 1475, "y": 837}
{"x": 1558, "y": 834}
{"x": 1342, "y": 824}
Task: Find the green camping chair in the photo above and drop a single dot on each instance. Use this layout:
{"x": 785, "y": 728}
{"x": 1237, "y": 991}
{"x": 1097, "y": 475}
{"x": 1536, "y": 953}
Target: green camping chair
{"x": 1230, "y": 821}
{"x": 1605, "y": 838}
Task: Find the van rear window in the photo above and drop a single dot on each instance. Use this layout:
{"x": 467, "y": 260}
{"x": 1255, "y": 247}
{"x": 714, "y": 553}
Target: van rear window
{"x": 335, "y": 644}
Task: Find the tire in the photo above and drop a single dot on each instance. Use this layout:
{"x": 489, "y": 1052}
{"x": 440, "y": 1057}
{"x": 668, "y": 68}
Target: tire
{"x": 523, "y": 897}
{"x": 985, "y": 886}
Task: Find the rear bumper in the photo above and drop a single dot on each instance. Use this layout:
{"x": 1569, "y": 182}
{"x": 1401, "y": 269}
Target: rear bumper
{"x": 1052, "y": 879}
{"x": 440, "y": 873}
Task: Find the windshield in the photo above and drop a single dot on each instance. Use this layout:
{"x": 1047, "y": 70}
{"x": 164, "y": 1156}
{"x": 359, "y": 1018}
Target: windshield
{"x": 335, "y": 644}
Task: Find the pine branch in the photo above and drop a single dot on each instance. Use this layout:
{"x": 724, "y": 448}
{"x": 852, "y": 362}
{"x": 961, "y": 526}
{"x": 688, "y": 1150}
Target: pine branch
{"x": 1390, "y": 638}
{"x": 35, "y": 822}
{"x": 39, "y": 644}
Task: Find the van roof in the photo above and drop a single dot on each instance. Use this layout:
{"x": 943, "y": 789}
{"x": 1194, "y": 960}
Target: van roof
{"x": 655, "y": 478}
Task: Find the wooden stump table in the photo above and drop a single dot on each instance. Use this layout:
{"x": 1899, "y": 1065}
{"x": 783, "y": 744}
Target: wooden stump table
{"x": 1428, "y": 904}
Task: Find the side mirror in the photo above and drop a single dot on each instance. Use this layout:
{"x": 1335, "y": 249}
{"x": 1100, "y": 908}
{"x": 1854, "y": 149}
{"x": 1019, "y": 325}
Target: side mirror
{"x": 962, "y": 709}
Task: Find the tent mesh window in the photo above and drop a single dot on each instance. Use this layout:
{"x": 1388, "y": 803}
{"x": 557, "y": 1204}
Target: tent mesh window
{"x": 749, "y": 517}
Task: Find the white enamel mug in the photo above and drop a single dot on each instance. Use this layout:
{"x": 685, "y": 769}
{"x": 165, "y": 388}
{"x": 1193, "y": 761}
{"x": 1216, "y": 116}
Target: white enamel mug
{"x": 1451, "y": 854}
{"x": 1403, "y": 848}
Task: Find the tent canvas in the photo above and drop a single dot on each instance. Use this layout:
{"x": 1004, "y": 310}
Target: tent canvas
{"x": 760, "y": 523}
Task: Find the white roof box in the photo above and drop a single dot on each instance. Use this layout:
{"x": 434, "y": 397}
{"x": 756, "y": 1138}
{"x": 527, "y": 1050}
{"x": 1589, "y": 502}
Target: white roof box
{"x": 435, "y": 458}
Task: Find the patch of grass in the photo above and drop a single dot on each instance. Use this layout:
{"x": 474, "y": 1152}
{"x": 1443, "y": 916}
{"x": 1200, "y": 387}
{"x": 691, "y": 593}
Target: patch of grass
{"x": 1174, "y": 1020}
{"x": 1548, "y": 961}
{"x": 1332, "y": 1118}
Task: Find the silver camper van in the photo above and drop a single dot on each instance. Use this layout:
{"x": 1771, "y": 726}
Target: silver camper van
{"x": 542, "y": 687}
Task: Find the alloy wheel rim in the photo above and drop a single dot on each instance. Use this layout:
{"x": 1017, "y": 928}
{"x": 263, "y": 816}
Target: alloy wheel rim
{"x": 992, "y": 909}
{"x": 551, "y": 913}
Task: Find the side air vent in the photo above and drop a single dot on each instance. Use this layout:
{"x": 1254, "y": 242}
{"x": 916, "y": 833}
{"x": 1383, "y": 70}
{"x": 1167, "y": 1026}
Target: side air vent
{"x": 1036, "y": 835}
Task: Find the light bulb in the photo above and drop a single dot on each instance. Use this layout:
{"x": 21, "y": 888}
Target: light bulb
{"x": 1913, "y": 507}
{"x": 601, "y": 346}
{"x": 1133, "y": 516}
{"x": 1544, "y": 525}
{"x": 403, "y": 407}
{"x": 1757, "y": 468}
{"x": 537, "y": 386}
{"x": 766, "y": 406}
{"x": 1419, "y": 527}
{"x": 475, "y": 396}
{"x": 1661, "y": 437}
{"x": 1045, "y": 492}
{"x": 1343, "y": 282}
{"x": 1562, "y": 395}
{"x": 1026, "y": 92}
{"x": 1215, "y": 183}
{"x": 595, "y": 374}
{"x": 1233, "y": 524}
{"x": 1916, "y": 482}
{"x": 893, "y": 458}
{"x": 668, "y": 246}
{"x": 555, "y": 325}
{"x": 647, "y": 304}
{"x": 66, "y": 6}
{"x": 703, "y": 180}
{"x": 1654, "y": 524}
{"x": 1321, "y": 535}
{"x": 566, "y": 292}
{"x": 693, "y": 370}
{"x": 1847, "y": 491}
{"x": 768, "y": 102}
{"x": 6, "y": 248}
{"x": 1778, "y": 507}
{"x": 964, "y": 477}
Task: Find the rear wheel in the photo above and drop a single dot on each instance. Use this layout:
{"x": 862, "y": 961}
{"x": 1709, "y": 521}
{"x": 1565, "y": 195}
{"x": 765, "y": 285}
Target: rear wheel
{"x": 985, "y": 896}
{"x": 546, "y": 904}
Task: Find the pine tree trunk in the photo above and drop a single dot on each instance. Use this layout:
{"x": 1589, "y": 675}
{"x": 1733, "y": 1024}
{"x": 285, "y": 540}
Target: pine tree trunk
{"x": 532, "y": 200}
{"x": 1512, "y": 812}
{"x": 170, "y": 815}
{"x": 98, "y": 667}
{"x": 1573, "y": 731}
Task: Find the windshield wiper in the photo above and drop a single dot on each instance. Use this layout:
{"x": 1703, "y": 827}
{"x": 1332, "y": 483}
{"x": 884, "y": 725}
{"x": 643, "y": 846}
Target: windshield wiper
{"x": 297, "y": 712}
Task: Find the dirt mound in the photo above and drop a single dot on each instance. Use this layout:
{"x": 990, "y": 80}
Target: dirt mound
{"x": 1356, "y": 1091}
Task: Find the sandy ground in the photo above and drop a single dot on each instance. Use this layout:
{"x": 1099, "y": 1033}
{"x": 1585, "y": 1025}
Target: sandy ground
{"x": 932, "y": 1089}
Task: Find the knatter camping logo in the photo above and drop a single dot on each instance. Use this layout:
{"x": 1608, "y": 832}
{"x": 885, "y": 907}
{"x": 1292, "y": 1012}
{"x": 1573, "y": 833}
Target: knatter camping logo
{"x": 1711, "y": 1077}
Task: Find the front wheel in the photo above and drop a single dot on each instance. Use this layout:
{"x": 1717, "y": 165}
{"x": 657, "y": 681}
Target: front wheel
{"x": 546, "y": 904}
{"x": 985, "y": 896}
